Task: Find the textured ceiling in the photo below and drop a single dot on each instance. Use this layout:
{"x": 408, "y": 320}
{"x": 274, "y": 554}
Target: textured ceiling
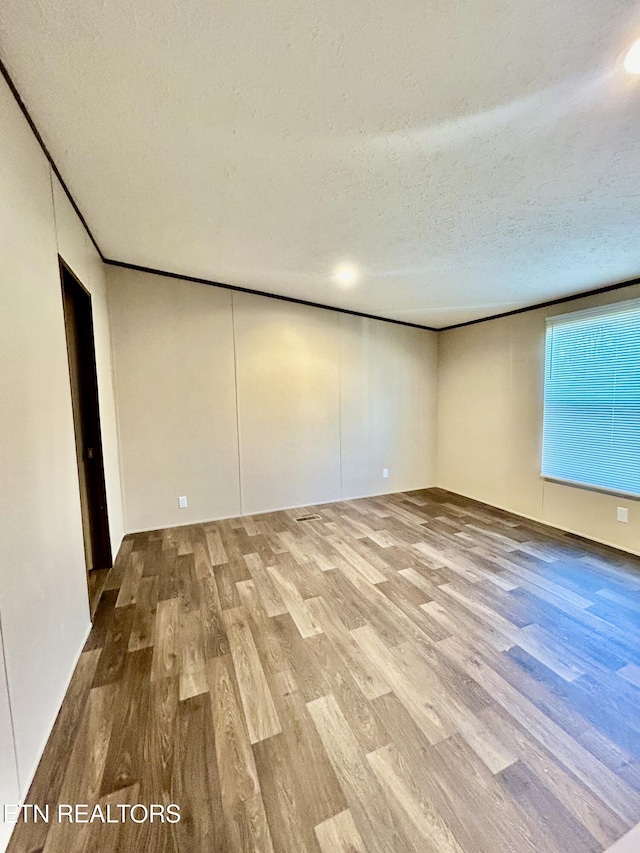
{"x": 469, "y": 156}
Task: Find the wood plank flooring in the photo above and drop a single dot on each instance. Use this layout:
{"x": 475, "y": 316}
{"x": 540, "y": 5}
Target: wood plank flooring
{"x": 415, "y": 672}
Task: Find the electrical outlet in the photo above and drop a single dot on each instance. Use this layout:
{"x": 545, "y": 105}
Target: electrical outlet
{"x": 182, "y": 502}
{"x": 623, "y": 514}
{"x": 385, "y": 473}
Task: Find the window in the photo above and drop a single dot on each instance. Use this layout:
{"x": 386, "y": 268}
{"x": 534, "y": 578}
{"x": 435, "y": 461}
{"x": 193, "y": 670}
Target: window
{"x": 592, "y": 398}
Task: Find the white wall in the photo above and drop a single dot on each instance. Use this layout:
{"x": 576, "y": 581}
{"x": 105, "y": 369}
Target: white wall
{"x": 246, "y": 404}
{"x": 491, "y": 382}
{"x": 43, "y": 591}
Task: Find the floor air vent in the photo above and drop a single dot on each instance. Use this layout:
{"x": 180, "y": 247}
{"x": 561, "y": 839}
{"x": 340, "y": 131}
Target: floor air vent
{"x": 308, "y": 518}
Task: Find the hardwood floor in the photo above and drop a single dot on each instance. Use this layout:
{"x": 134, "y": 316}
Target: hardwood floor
{"x": 415, "y": 672}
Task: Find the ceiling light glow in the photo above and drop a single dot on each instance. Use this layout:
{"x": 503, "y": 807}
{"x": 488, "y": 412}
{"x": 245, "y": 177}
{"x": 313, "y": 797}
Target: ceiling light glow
{"x": 346, "y": 275}
{"x": 632, "y": 59}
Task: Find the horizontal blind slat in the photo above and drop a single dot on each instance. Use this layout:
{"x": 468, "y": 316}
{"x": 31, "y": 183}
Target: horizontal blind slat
{"x": 591, "y": 432}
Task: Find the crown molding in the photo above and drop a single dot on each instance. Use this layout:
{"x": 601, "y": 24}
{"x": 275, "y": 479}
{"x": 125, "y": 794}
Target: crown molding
{"x": 124, "y": 265}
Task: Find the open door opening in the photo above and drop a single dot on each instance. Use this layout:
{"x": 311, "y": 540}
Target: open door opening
{"x": 78, "y": 320}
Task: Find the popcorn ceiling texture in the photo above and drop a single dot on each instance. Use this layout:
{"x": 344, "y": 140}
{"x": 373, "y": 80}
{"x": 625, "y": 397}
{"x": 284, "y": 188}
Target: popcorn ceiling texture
{"x": 470, "y": 157}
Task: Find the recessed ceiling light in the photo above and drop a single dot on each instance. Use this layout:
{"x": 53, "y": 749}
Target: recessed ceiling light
{"x": 346, "y": 275}
{"x": 632, "y": 59}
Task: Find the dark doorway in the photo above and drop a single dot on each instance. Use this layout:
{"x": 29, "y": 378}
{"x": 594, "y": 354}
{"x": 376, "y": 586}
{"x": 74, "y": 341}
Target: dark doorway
{"x": 78, "y": 321}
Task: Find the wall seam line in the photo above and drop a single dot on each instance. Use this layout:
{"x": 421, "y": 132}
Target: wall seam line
{"x": 340, "y": 406}
{"x": 116, "y": 402}
{"x": 11, "y": 718}
{"x": 235, "y": 386}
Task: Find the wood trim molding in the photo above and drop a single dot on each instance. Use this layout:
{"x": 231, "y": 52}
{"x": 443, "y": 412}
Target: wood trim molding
{"x": 45, "y": 151}
{"x": 253, "y": 292}
{"x": 559, "y": 301}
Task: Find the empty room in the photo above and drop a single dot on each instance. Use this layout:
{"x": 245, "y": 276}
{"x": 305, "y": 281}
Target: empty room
{"x": 320, "y": 426}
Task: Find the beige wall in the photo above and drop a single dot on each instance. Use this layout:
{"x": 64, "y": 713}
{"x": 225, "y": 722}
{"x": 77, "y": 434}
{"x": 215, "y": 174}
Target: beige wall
{"x": 75, "y": 246}
{"x": 246, "y": 404}
{"x": 388, "y": 406}
{"x": 43, "y": 593}
{"x": 175, "y": 381}
{"x": 490, "y": 426}
{"x": 288, "y": 372}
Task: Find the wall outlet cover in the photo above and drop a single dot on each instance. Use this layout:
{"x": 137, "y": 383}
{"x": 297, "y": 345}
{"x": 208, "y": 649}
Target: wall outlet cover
{"x": 385, "y": 473}
{"x": 182, "y": 502}
{"x": 623, "y": 514}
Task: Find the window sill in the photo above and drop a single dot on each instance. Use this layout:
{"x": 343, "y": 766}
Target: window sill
{"x": 590, "y": 488}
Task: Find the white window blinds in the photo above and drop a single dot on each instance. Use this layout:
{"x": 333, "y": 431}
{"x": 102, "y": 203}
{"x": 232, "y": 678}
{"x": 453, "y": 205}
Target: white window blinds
{"x": 592, "y": 398}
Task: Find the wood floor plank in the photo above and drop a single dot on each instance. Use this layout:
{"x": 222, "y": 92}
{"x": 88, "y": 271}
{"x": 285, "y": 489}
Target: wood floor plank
{"x": 404, "y": 792}
{"x": 290, "y": 828}
{"x": 430, "y": 721}
{"x": 226, "y": 580}
{"x": 168, "y": 586}
{"x": 160, "y": 750}
{"x": 564, "y": 831}
{"x": 339, "y": 834}
{"x": 267, "y": 590}
{"x": 378, "y": 610}
{"x": 629, "y": 843}
{"x": 84, "y": 768}
{"x": 267, "y": 642}
{"x": 236, "y": 766}
{"x": 319, "y": 791}
{"x": 597, "y": 818}
{"x": 500, "y": 824}
{"x": 296, "y": 605}
{"x": 116, "y": 574}
{"x": 305, "y": 576}
{"x": 217, "y": 554}
{"x": 368, "y": 572}
{"x": 312, "y": 680}
{"x": 193, "y": 678}
{"x": 254, "y": 818}
{"x": 605, "y": 784}
{"x": 369, "y": 732}
{"x": 109, "y": 837}
{"x": 368, "y": 677}
{"x": 257, "y": 702}
{"x": 114, "y": 651}
{"x": 410, "y": 673}
{"x": 166, "y": 642}
{"x": 215, "y": 638}
{"x": 144, "y": 615}
{"x": 196, "y": 784}
{"x": 631, "y": 672}
{"x": 448, "y": 616}
{"x": 130, "y": 711}
{"x": 131, "y": 579}
{"x": 364, "y": 795}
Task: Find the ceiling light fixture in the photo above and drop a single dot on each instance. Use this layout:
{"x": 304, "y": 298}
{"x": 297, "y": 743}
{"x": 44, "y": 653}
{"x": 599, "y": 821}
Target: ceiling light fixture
{"x": 346, "y": 275}
{"x": 632, "y": 59}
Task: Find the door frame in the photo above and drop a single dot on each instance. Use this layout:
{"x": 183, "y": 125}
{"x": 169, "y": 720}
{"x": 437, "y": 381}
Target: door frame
{"x": 86, "y": 419}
